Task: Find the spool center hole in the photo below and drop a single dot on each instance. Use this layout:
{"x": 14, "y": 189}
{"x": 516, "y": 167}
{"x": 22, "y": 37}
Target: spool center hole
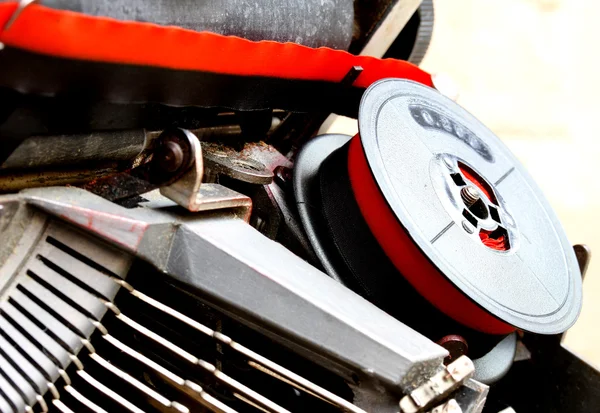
{"x": 474, "y": 192}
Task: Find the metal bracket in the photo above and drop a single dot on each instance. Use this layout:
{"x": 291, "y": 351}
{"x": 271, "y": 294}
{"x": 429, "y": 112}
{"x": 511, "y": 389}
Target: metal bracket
{"x": 189, "y": 192}
{"x": 219, "y": 159}
{"x": 451, "y": 406}
{"x": 438, "y": 386}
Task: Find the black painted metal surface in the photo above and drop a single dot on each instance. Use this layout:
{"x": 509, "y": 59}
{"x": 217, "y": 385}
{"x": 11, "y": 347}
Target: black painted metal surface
{"x": 554, "y": 380}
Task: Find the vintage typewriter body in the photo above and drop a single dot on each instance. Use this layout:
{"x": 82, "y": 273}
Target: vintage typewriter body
{"x": 176, "y": 235}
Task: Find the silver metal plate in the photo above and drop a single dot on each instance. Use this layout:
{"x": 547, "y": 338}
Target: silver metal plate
{"x": 408, "y": 131}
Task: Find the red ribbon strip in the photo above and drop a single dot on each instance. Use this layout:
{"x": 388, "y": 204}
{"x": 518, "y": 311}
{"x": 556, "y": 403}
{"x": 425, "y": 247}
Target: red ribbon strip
{"x": 74, "y": 35}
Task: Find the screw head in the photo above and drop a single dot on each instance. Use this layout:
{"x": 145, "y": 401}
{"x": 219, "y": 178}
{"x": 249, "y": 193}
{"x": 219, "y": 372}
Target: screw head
{"x": 456, "y": 345}
{"x": 469, "y": 195}
{"x": 170, "y": 157}
{"x": 283, "y": 175}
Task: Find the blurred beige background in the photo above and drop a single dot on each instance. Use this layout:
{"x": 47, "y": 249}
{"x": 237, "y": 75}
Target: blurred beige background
{"x": 530, "y": 70}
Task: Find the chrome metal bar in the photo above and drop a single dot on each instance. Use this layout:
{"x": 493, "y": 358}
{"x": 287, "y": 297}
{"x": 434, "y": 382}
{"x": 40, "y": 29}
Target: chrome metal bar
{"x": 191, "y": 389}
{"x": 84, "y": 400}
{"x": 61, "y": 406}
{"x": 110, "y": 393}
{"x": 129, "y": 379}
{"x": 219, "y": 375}
{"x": 280, "y": 371}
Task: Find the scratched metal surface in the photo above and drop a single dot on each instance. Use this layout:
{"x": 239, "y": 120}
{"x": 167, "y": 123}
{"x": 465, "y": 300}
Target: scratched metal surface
{"x": 310, "y": 22}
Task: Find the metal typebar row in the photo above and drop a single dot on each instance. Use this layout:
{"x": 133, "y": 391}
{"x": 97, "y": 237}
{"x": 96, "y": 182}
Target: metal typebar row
{"x": 49, "y": 316}
{"x": 255, "y": 360}
{"x": 46, "y": 345}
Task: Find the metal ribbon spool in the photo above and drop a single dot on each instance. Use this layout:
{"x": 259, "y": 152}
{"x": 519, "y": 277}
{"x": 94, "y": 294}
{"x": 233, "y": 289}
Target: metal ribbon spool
{"x": 451, "y": 209}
